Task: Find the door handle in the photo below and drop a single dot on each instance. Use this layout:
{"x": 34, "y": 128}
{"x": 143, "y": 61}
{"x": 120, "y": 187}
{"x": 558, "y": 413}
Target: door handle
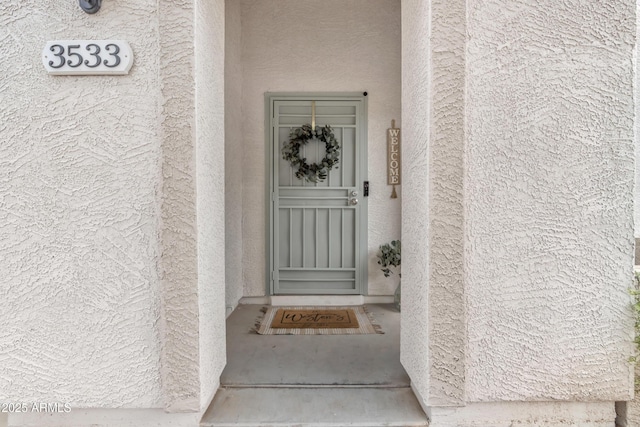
{"x": 353, "y": 201}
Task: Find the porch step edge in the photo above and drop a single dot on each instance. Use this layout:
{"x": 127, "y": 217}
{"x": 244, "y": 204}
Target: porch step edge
{"x": 314, "y": 407}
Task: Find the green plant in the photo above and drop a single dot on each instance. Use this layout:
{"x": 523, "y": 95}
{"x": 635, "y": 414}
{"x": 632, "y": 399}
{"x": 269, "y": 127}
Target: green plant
{"x": 389, "y": 257}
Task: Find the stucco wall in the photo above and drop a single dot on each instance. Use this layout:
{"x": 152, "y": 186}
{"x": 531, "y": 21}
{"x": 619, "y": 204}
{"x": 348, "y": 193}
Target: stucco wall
{"x": 416, "y": 109}
{"x": 446, "y": 308}
{"x": 178, "y": 208}
{"x": 636, "y": 129}
{"x": 210, "y": 170}
{"x": 328, "y": 46}
{"x": 548, "y": 201}
{"x": 233, "y": 154}
{"x": 112, "y": 251}
{"x": 632, "y": 409}
{"x": 549, "y": 195}
{"x": 433, "y": 105}
{"x": 79, "y": 166}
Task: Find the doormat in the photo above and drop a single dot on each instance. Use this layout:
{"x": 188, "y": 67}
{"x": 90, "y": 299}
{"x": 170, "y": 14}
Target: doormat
{"x": 352, "y": 320}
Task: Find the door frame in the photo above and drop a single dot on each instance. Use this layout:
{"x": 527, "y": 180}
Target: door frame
{"x": 270, "y": 98}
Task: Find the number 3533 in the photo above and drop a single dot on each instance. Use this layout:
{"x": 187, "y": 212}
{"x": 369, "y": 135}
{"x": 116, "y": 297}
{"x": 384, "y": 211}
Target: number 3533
{"x": 87, "y": 57}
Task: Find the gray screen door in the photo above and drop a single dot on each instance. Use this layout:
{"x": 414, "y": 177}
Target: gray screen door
{"x": 318, "y": 230}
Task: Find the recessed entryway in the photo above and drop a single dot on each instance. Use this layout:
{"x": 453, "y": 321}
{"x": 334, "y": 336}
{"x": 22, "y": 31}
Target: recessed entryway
{"x": 330, "y": 53}
{"x": 314, "y": 379}
{"x": 319, "y": 48}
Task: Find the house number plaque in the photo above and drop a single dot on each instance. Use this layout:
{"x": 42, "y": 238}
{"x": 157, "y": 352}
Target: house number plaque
{"x": 87, "y": 57}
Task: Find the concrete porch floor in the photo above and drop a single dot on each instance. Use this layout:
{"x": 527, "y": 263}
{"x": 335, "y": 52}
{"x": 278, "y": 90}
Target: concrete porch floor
{"x": 314, "y": 380}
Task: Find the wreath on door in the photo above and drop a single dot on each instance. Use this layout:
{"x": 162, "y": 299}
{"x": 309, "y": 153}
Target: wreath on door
{"x": 314, "y": 172}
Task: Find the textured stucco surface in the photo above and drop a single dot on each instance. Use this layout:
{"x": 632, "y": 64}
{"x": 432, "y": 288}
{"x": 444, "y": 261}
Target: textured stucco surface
{"x": 210, "y": 167}
{"x": 328, "y": 46}
{"x": 433, "y": 332}
{"x": 529, "y": 414}
{"x": 549, "y": 194}
{"x": 633, "y": 412}
{"x": 179, "y": 234}
{"x": 628, "y": 413}
{"x": 233, "y": 154}
{"x": 636, "y": 127}
{"x": 447, "y": 335}
{"x": 546, "y": 206}
{"x": 416, "y": 107}
{"x": 79, "y": 165}
{"x": 111, "y": 246}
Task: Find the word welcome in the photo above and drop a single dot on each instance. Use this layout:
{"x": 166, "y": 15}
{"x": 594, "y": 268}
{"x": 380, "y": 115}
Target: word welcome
{"x": 312, "y": 318}
{"x": 393, "y": 157}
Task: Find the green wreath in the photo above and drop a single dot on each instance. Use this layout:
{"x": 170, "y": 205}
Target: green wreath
{"x": 314, "y": 172}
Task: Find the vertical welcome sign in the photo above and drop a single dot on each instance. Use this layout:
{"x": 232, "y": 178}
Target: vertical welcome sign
{"x": 394, "y": 162}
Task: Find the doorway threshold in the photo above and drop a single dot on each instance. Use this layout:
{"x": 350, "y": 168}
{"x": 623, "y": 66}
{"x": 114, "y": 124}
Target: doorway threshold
{"x": 318, "y": 300}
{"x": 327, "y": 407}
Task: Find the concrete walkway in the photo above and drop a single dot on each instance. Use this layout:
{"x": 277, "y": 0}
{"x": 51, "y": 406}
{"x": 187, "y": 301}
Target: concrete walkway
{"x": 313, "y": 359}
{"x": 313, "y": 380}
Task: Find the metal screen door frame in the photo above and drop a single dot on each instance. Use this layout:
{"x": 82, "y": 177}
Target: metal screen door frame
{"x": 272, "y": 153}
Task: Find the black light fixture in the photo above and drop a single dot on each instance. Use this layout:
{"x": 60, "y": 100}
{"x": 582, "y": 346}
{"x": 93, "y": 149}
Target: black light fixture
{"x": 90, "y": 6}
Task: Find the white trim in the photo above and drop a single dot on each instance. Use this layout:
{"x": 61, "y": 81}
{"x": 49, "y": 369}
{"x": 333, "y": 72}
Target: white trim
{"x": 318, "y": 300}
{"x": 255, "y": 300}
